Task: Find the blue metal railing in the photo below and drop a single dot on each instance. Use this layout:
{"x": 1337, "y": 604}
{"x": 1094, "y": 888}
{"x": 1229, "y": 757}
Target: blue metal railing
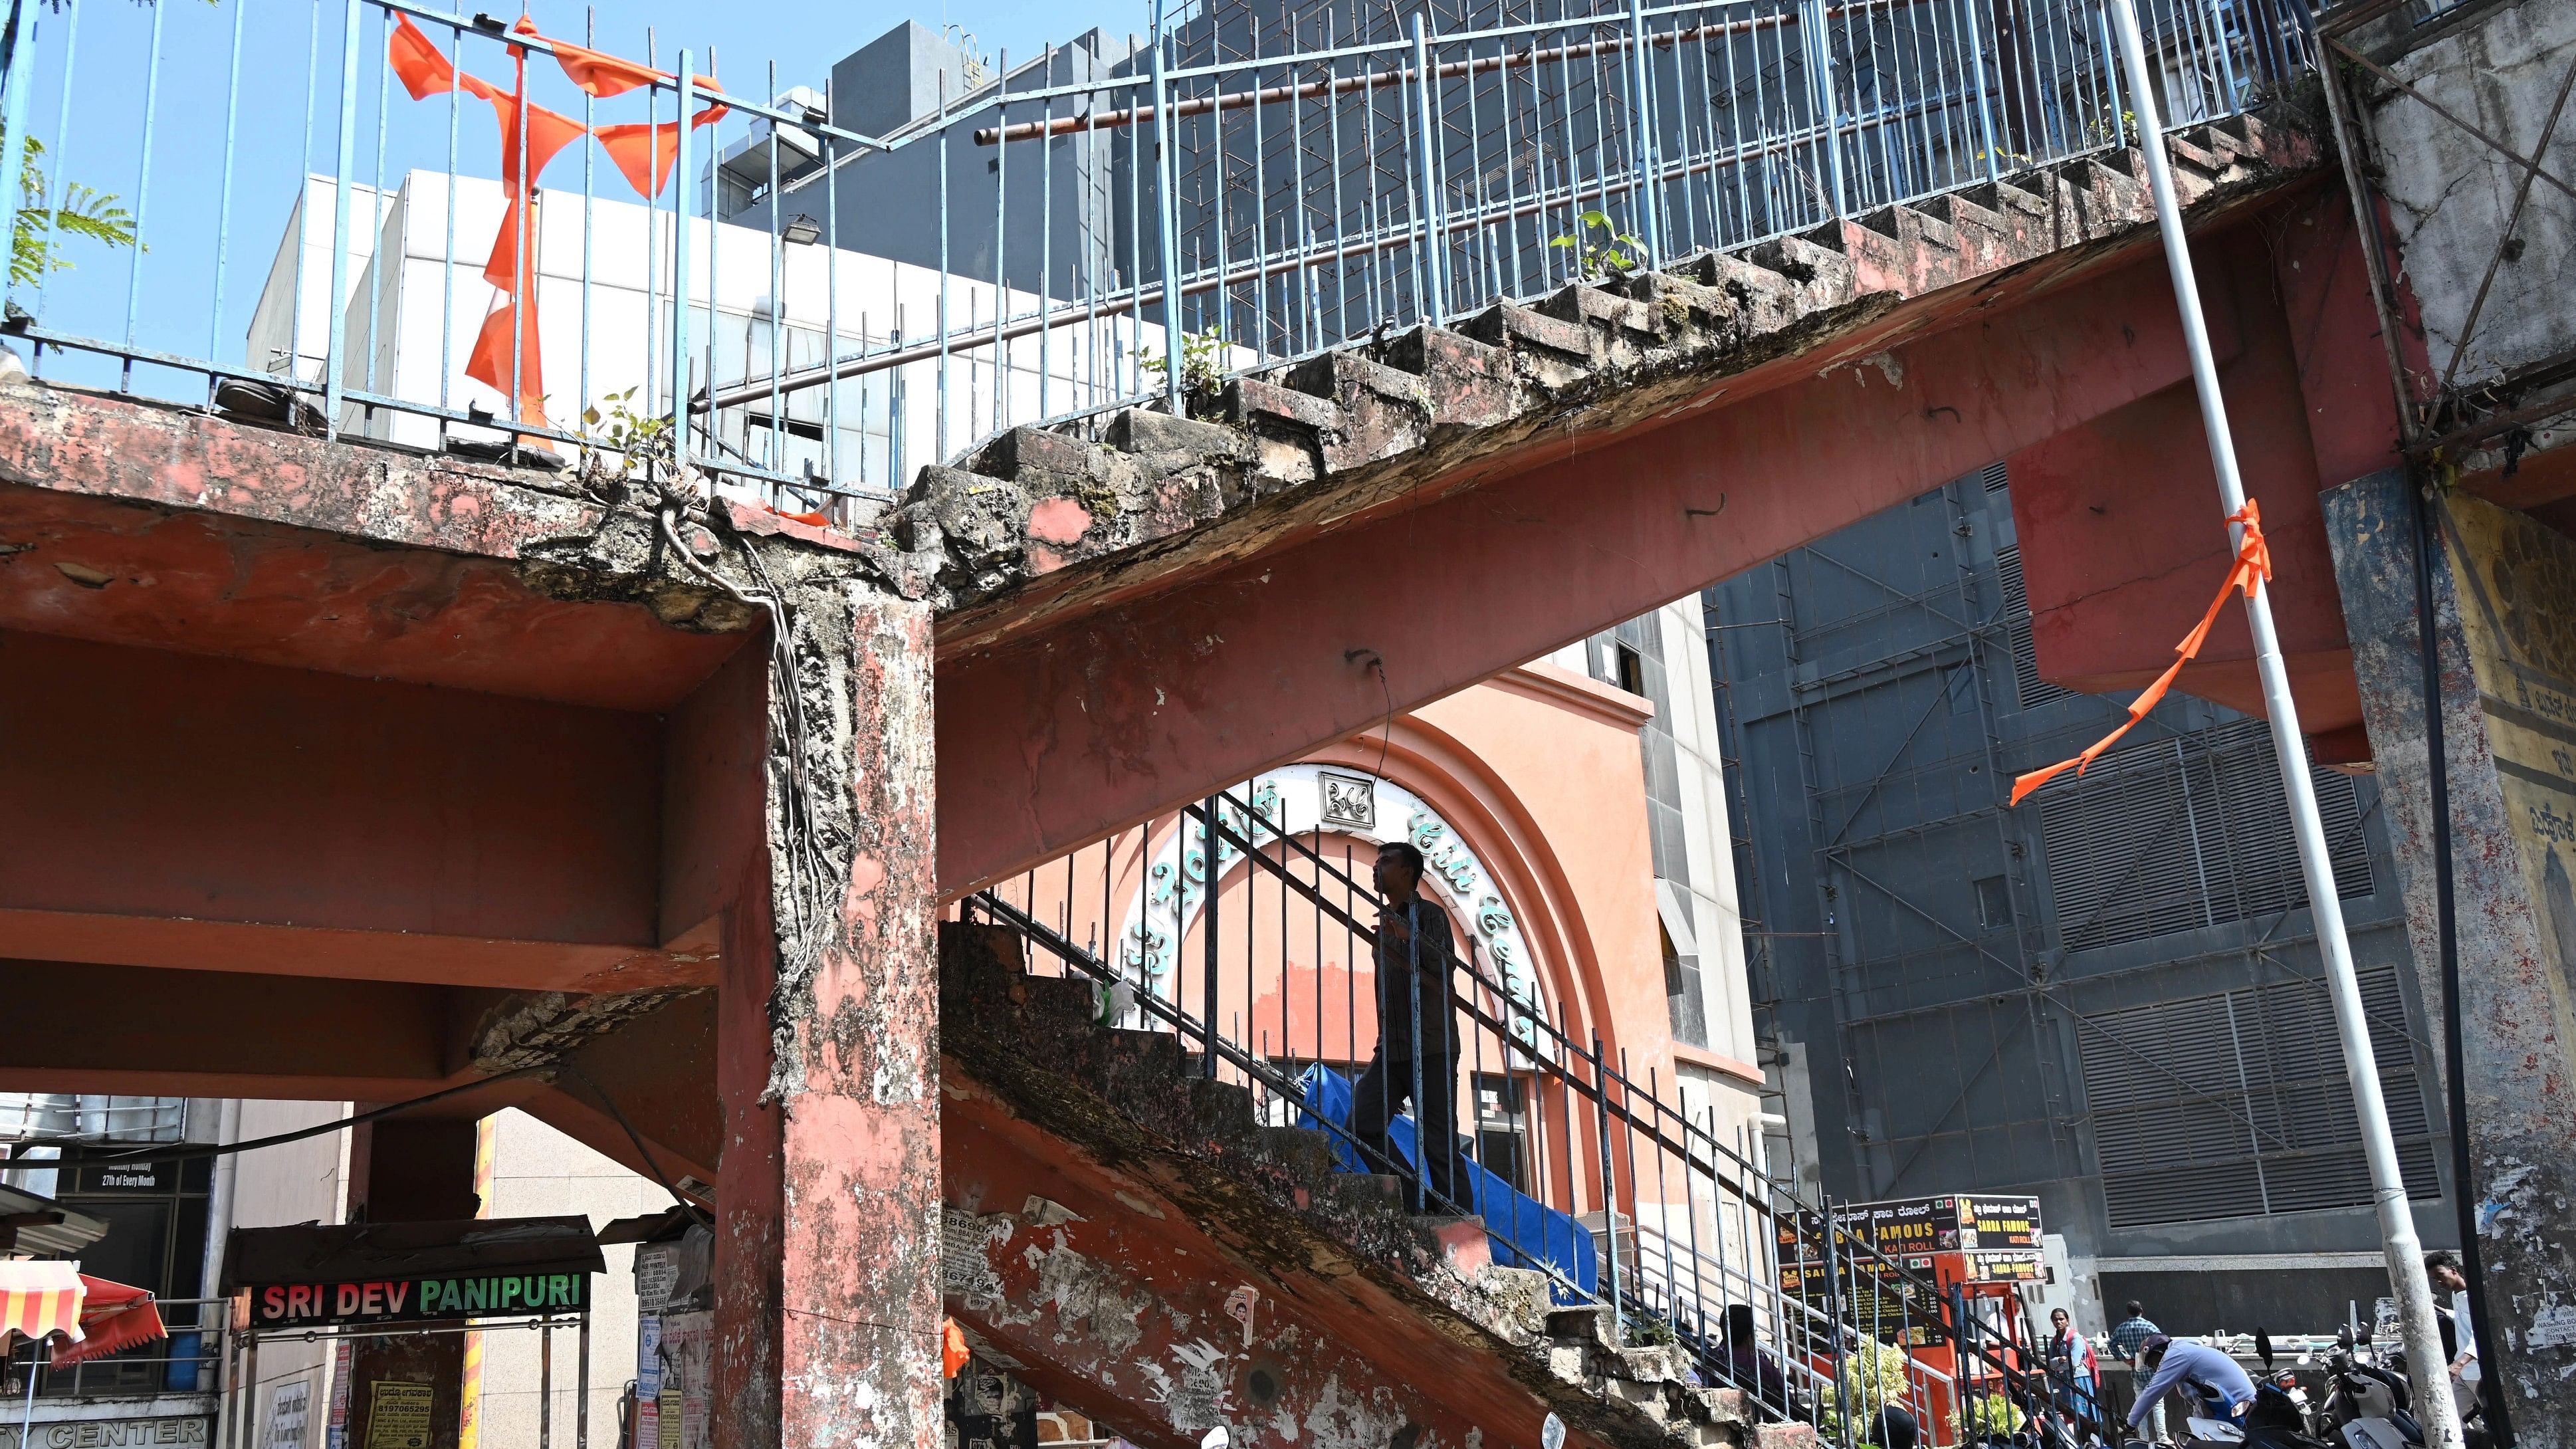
{"x": 819, "y": 310}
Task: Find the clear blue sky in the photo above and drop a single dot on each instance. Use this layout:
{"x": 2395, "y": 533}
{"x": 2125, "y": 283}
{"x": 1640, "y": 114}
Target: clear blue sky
{"x": 109, "y": 95}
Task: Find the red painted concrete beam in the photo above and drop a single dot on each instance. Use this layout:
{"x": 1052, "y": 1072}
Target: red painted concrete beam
{"x": 1109, "y": 716}
{"x": 140, "y": 524}
{"x": 229, "y": 1034}
{"x": 2121, "y": 543}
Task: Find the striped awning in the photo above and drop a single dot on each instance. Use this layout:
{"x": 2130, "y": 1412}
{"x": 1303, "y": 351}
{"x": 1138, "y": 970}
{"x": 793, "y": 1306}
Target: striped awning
{"x": 37, "y": 1299}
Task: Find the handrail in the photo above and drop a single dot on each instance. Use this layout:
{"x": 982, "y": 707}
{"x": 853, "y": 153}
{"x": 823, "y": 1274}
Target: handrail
{"x": 1885, "y": 1296}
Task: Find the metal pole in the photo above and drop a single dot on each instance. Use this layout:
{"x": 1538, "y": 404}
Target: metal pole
{"x": 219, "y": 1224}
{"x": 1167, "y": 224}
{"x": 546, "y": 1384}
{"x": 581, "y": 1389}
{"x": 2388, "y": 1184}
{"x": 27, "y": 1423}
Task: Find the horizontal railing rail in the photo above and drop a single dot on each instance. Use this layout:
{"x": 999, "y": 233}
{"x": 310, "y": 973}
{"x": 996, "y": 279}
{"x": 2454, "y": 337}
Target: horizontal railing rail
{"x": 805, "y": 312}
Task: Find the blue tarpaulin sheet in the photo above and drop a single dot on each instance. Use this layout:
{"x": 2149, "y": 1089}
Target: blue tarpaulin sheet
{"x": 1524, "y": 1232}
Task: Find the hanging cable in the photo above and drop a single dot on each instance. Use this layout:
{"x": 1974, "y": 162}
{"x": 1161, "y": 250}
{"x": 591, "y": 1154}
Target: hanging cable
{"x": 196, "y": 1151}
{"x": 651, "y": 1164}
{"x": 2447, "y": 928}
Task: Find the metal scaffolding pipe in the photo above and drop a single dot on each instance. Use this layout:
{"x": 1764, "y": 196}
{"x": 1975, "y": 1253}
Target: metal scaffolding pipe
{"x": 2404, "y": 1250}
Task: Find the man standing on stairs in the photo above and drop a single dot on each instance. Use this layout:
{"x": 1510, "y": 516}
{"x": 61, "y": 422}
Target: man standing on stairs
{"x": 1417, "y": 1047}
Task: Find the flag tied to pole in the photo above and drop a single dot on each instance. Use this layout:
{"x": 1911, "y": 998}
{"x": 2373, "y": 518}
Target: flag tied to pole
{"x": 531, "y": 136}
{"x": 2252, "y": 568}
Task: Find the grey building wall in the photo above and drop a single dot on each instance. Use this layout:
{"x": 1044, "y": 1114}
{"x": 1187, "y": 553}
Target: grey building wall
{"x": 2109, "y": 997}
{"x": 1044, "y": 218}
{"x": 1078, "y": 214}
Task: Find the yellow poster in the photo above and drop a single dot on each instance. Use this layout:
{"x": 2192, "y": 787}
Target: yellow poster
{"x": 2517, "y": 588}
{"x": 397, "y": 1415}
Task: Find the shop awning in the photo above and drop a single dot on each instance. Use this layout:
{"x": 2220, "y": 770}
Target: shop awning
{"x": 316, "y": 1254}
{"x": 113, "y": 1318}
{"x": 32, "y": 1224}
{"x": 39, "y": 1299}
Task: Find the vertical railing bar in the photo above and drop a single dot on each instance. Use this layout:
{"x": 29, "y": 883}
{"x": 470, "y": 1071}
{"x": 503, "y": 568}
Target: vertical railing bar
{"x": 1479, "y": 237}
{"x": 652, "y": 230}
{"x": 1167, "y": 218}
{"x": 1976, "y": 44}
{"x": 1207, "y": 930}
{"x": 777, "y": 297}
{"x": 1876, "y": 115}
{"x": 1600, "y": 139}
{"x": 1649, "y": 181}
{"x": 1609, "y": 1187}
{"x": 224, "y": 203}
{"x": 1305, "y": 314}
{"x": 523, "y": 275}
{"x": 715, "y": 274}
{"x": 582, "y": 398}
{"x": 1002, "y": 244}
{"x": 143, "y": 180}
{"x": 832, "y": 306}
{"x": 1341, "y": 211}
{"x": 1046, "y": 229}
{"x": 333, "y": 329}
{"x": 58, "y": 176}
{"x": 376, "y": 218}
{"x": 1434, "y": 237}
{"x": 678, "y": 399}
{"x": 1663, "y": 1188}
{"x": 939, "y": 414}
{"x": 447, "y": 252}
{"x": 303, "y": 187}
{"x": 20, "y": 79}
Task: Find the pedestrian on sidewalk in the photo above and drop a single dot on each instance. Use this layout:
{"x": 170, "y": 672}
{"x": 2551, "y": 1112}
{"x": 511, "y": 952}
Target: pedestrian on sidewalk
{"x": 2074, "y": 1375}
{"x": 1416, "y": 1059}
{"x": 2127, "y": 1337}
{"x": 2459, "y": 1337}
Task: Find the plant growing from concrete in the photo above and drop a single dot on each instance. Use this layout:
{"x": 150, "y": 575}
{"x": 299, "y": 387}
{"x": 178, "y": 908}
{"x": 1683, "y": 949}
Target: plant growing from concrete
{"x": 629, "y": 440}
{"x": 1202, "y": 363}
{"x": 1611, "y": 253}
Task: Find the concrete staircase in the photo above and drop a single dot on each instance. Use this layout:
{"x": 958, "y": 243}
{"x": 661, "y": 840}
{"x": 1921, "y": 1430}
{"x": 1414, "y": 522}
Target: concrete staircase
{"x": 1113, "y": 1217}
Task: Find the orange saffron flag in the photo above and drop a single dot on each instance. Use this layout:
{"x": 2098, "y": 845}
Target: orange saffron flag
{"x": 953, "y": 1352}
{"x": 506, "y": 346}
{"x": 2253, "y": 567}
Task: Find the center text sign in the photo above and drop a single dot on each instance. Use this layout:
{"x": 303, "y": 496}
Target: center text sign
{"x": 404, "y": 1300}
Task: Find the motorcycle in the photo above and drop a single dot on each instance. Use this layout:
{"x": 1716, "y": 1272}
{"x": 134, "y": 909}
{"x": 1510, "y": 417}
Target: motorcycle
{"x": 2368, "y": 1405}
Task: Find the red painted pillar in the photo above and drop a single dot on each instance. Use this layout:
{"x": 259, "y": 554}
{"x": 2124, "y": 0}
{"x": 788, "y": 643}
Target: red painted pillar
{"x": 828, "y": 1302}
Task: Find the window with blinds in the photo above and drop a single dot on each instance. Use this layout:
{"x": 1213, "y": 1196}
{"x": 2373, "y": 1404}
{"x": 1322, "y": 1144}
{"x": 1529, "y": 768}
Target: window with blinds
{"x": 2236, "y": 1104}
{"x": 2028, "y": 686}
{"x": 2185, "y": 833}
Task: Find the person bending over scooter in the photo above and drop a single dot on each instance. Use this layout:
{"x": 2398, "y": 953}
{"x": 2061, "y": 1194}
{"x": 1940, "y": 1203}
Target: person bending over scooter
{"x": 2220, "y": 1390}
